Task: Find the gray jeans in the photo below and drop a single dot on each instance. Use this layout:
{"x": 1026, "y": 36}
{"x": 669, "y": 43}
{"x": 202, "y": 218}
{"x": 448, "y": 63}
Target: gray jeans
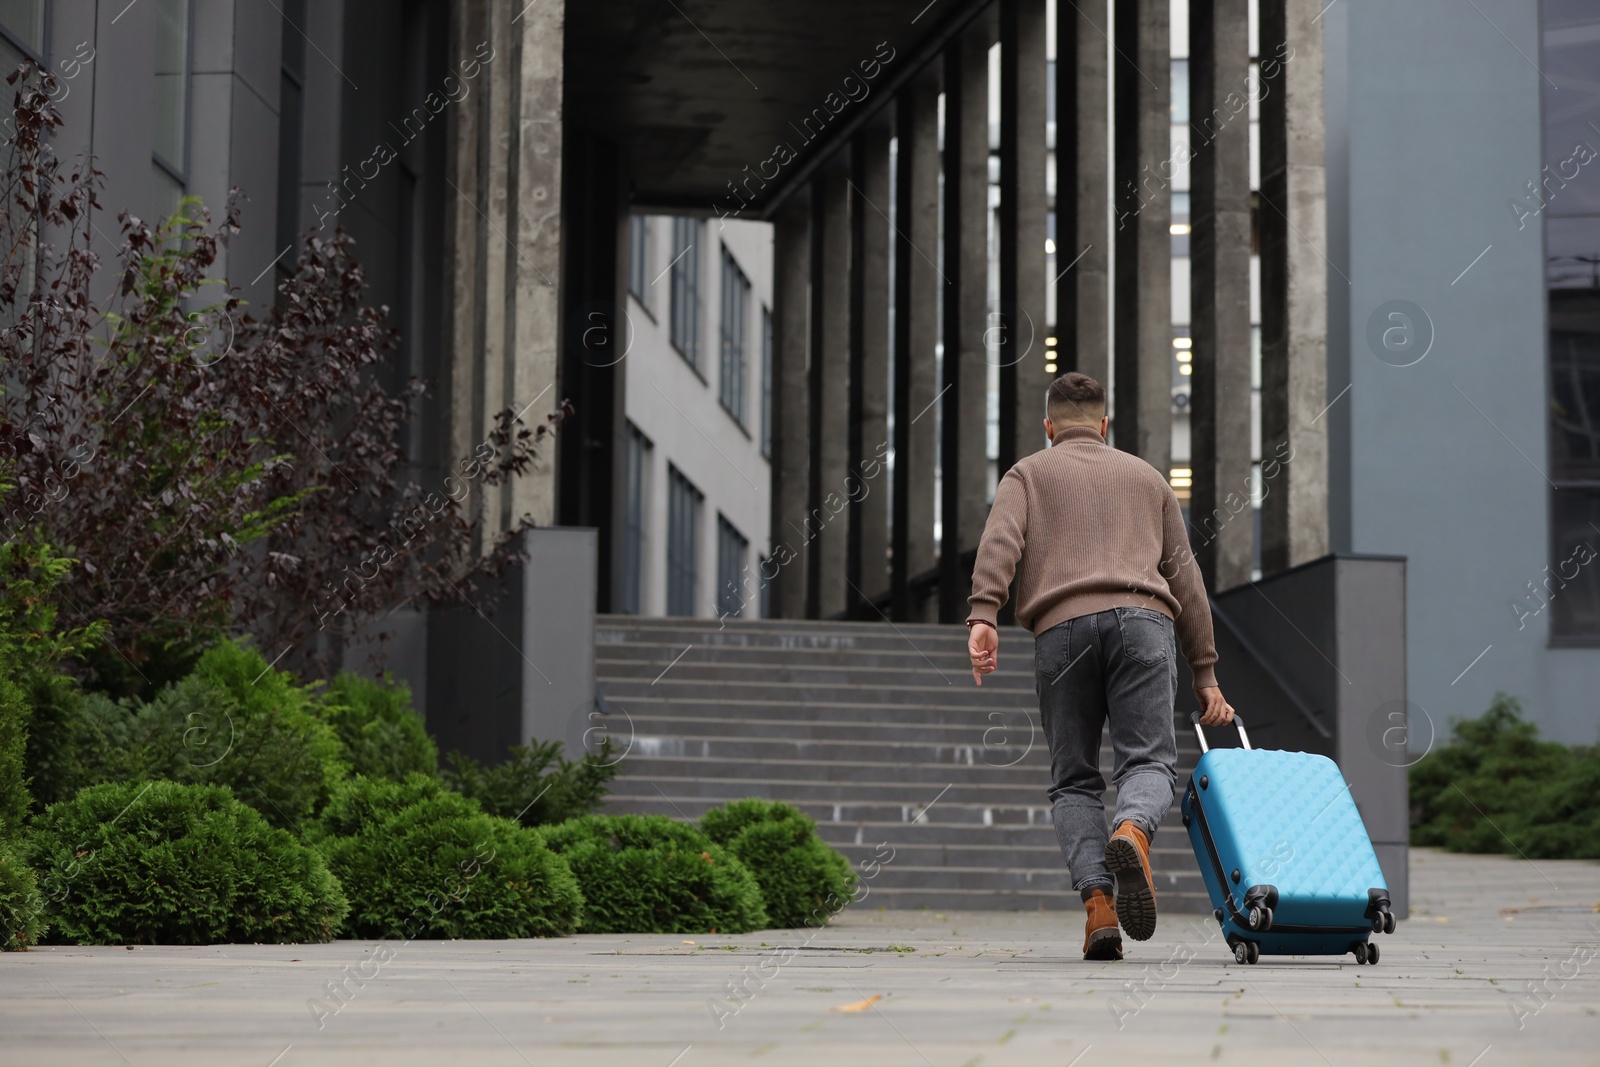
{"x": 1118, "y": 666}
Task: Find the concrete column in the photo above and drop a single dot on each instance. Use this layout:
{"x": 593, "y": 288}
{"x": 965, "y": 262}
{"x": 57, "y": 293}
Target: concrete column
{"x": 869, "y": 368}
{"x": 533, "y": 268}
{"x": 916, "y": 334}
{"x": 1219, "y": 133}
{"x": 964, "y": 402}
{"x": 1022, "y": 224}
{"x": 461, "y": 398}
{"x": 1083, "y": 288}
{"x": 829, "y": 512}
{"x": 791, "y": 426}
{"x": 504, "y": 324}
{"x": 1142, "y": 400}
{"x": 1294, "y": 284}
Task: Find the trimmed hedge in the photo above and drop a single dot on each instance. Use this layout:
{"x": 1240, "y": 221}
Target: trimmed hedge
{"x": 233, "y": 722}
{"x": 14, "y": 798}
{"x": 421, "y": 861}
{"x": 1498, "y": 788}
{"x": 167, "y": 863}
{"x": 537, "y": 786}
{"x": 802, "y": 879}
{"x": 648, "y": 874}
{"x": 382, "y": 735}
{"x": 22, "y": 921}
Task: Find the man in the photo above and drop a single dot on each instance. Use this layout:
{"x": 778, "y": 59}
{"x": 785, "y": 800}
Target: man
{"x": 1104, "y": 578}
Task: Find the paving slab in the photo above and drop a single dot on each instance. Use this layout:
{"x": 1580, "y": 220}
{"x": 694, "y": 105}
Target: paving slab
{"x": 1497, "y": 966}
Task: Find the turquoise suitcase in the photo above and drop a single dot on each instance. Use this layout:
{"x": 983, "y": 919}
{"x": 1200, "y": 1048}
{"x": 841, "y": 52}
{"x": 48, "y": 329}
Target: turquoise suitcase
{"x": 1284, "y": 853}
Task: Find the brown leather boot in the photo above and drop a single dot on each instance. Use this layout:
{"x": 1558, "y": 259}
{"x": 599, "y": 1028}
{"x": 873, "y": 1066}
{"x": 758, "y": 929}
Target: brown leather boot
{"x": 1101, "y": 938}
{"x": 1128, "y": 857}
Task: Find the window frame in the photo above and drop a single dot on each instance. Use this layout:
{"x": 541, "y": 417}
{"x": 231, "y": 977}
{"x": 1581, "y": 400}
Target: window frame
{"x": 734, "y": 319}
{"x": 686, "y": 304}
{"x": 41, "y": 57}
{"x": 635, "y": 518}
{"x": 685, "y": 502}
{"x": 728, "y": 535}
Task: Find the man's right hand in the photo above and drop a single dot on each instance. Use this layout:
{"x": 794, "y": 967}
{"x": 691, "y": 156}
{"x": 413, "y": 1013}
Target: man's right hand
{"x": 1214, "y": 709}
{"x": 983, "y": 649}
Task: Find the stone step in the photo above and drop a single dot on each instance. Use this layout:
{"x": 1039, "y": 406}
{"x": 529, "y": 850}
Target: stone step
{"x": 1015, "y": 658}
{"x": 998, "y": 774}
{"x": 786, "y": 633}
{"x": 831, "y": 804}
{"x": 789, "y": 750}
{"x": 847, "y": 715}
{"x": 710, "y": 703}
{"x": 823, "y": 672}
{"x": 1000, "y": 735}
{"x": 934, "y": 690}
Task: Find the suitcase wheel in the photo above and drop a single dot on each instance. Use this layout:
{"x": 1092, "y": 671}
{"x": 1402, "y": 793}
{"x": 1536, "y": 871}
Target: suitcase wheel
{"x": 1372, "y": 952}
{"x": 1246, "y": 952}
{"x": 1361, "y": 951}
{"x": 1388, "y": 922}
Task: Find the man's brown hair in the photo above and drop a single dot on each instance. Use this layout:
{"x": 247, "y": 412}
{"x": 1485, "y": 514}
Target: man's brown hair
{"x": 1076, "y": 399}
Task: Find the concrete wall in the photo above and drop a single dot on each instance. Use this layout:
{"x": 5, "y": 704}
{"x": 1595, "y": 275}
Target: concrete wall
{"x": 1433, "y": 113}
{"x": 679, "y": 411}
{"x": 233, "y": 117}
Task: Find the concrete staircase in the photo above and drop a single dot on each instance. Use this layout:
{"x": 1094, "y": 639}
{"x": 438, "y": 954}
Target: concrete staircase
{"x": 874, "y": 730}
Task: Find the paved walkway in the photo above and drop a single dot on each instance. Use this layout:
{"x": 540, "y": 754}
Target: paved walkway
{"x": 945, "y": 990}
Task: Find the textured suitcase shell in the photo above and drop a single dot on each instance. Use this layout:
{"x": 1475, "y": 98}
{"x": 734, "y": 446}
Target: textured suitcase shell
{"x": 1286, "y": 834}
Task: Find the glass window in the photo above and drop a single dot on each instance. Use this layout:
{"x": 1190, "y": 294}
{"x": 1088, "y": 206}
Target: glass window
{"x": 24, "y": 20}
{"x": 640, "y": 249}
{"x": 633, "y": 534}
{"x": 291, "y": 96}
{"x": 731, "y": 547}
{"x": 683, "y": 539}
{"x": 735, "y": 303}
{"x": 1571, "y": 216}
{"x": 172, "y": 82}
{"x": 766, "y": 382}
{"x": 685, "y": 325}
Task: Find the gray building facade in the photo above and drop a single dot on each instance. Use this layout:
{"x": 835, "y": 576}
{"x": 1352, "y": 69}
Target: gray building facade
{"x": 1449, "y": 214}
{"x": 486, "y": 157}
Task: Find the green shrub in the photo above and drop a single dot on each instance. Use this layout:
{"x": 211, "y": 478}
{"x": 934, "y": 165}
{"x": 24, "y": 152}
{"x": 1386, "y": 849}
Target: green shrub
{"x": 14, "y": 798}
{"x": 537, "y": 786}
{"x": 55, "y": 703}
{"x": 167, "y": 863}
{"x": 647, "y": 874}
{"x": 802, "y": 879}
{"x": 21, "y": 908}
{"x": 382, "y": 734}
{"x": 1498, "y": 788}
{"x": 233, "y": 722}
{"x": 31, "y": 647}
{"x": 420, "y": 861}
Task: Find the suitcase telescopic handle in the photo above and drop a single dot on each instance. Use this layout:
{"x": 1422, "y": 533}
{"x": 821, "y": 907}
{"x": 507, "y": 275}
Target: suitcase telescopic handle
{"x": 1238, "y": 720}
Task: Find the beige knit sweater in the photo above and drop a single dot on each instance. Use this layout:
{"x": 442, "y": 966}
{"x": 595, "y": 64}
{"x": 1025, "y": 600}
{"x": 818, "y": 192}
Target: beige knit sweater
{"x": 1086, "y": 528}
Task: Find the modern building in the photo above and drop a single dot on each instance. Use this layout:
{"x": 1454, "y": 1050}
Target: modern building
{"x": 1370, "y": 228}
{"x": 699, "y": 416}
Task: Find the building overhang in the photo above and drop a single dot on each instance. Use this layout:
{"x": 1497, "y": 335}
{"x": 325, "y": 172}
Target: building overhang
{"x": 725, "y": 106}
